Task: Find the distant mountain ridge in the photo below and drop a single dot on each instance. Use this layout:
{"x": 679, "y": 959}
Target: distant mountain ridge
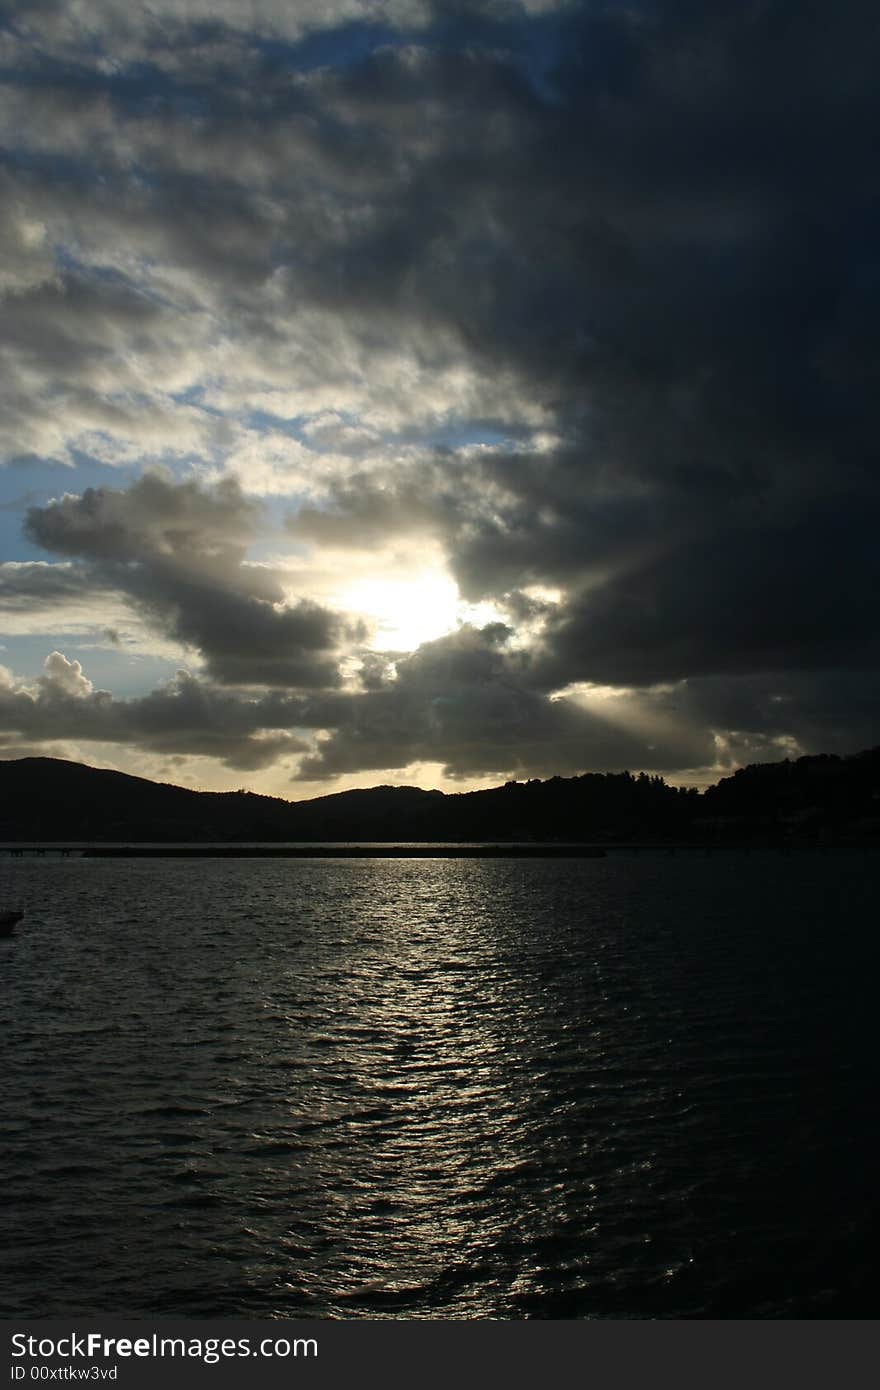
{"x": 823, "y": 799}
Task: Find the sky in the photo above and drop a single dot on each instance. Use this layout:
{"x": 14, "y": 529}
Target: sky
{"x": 439, "y": 393}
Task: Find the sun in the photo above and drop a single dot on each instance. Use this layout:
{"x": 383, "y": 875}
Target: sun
{"x": 406, "y": 610}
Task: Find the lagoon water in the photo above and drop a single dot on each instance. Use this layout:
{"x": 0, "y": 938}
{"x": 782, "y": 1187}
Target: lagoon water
{"x": 642, "y": 1086}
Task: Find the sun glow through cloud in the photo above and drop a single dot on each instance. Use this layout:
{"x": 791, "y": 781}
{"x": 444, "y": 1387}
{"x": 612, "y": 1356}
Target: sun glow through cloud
{"x": 412, "y": 607}
{"x": 405, "y": 611}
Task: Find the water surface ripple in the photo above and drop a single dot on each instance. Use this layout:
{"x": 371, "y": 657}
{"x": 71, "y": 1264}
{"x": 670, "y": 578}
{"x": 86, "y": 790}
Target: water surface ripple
{"x": 642, "y": 1086}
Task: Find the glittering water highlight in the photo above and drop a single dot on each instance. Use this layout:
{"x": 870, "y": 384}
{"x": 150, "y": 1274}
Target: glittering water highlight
{"x": 634, "y": 1087}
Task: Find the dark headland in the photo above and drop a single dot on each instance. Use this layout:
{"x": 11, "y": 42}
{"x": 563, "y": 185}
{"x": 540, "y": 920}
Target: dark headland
{"x": 821, "y": 800}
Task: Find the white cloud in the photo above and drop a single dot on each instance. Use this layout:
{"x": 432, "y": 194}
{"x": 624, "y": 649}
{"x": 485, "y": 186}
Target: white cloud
{"x": 64, "y": 677}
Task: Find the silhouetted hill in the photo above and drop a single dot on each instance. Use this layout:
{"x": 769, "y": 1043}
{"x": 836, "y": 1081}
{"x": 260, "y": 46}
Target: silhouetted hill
{"x": 824, "y": 799}
{"x": 50, "y": 799}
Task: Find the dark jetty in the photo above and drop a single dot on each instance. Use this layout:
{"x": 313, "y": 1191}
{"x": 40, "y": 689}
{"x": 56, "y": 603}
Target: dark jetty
{"x": 322, "y": 851}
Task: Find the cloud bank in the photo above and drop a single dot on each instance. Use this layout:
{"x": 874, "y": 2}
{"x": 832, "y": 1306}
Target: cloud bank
{"x": 578, "y": 298}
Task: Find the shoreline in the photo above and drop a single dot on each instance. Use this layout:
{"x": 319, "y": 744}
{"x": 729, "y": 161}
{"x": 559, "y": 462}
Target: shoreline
{"x": 409, "y": 850}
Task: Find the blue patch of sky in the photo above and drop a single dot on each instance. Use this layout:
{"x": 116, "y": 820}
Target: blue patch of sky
{"x": 143, "y": 89}
{"x": 137, "y": 88}
{"x": 107, "y": 666}
{"x": 14, "y": 545}
{"x": 293, "y": 425}
{"x": 55, "y": 169}
{"x": 534, "y": 42}
{"x": 194, "y": 395}
{"x": 24, "y": 655}
{"x": 454, "y": 434}
{"x": 114, "y": 668}
{"x": 345, "y": 46}
{"x": 274, "y": 539}
{"x": 109, "y": 276}
{"x": 71, "y": 264}
{"x": 32, "y": 482}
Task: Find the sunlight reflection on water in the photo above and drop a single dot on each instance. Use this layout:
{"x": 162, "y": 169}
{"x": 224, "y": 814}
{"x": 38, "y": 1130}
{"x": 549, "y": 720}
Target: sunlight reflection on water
{"x": 441, "y": 1088}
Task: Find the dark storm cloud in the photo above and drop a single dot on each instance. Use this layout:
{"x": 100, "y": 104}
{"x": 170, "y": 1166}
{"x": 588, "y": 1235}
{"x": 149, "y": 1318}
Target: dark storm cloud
{"x": 506, "y": 519}
{"x": 177, "y": 551}
{"x": 28, "y": 587}
{"x": 679, "y": 252}
{"x": 464, "y": 700}
{"x": 473, "y": 702}
{"x": 782, "y": 710}
{"x": 185, "y": 716}
{"x": 461, "y": 701}
{"x": 365, "y": 510}
{"x": 772, "y": 598}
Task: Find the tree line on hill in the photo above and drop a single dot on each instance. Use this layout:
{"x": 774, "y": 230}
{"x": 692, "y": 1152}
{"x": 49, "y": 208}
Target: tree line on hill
{"x": 823, "y": 799}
